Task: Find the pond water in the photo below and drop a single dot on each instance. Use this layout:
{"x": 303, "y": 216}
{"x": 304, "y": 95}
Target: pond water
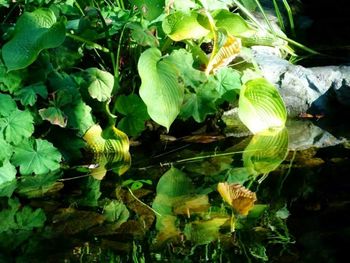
{"x": 276, "y": 197}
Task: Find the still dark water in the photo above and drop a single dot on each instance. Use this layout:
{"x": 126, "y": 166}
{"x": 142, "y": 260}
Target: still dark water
{"x": 167, "y": 208}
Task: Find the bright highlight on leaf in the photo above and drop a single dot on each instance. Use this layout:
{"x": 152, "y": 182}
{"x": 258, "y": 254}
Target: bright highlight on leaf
{"x": 36, "y": 156}
{"x": 101, "y": 84}
{"x": 34, "y": 32}
{"x": 261, "y": 106}
{"x": 160, "y": 87}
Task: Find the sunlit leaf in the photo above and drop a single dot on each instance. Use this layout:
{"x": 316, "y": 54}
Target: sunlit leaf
{"x": 150, "y": 9}
{"x": 189, "y": 205}
{"x": 28, "y": 95}
{"x": 17, "y": 126}
{"x": 135, "y": 111}
{"x": 224, "y": 55}
{"x": 240, "y": 198}
{"x": 34, "y": 32}
{"x": 142, "y": 36}
{"x": 36, "y": 156}
{"x": 54, "y": 115}
{"x": 7, "y": 105}
{"x": 180, "y": 26}
{"x": 266, "y": 151}
{"x": 7, "y": 179}
{"x": 261, "y": 106}
{"x": 160, "y": 84}
{"x": 229, "y": 83}
{"x": 100, "y": 84}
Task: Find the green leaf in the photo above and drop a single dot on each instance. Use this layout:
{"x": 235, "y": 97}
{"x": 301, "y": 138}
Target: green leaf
{"x": 183, "y": 61}
{"x": 180, "y": 26}
{"x": 266, "y": 151}
{"x": 234, "y": 24}
{"x": 261, "y": 106}
{"x": 7, "y": 179}
{"x": 116, "y": 212}
{"x": 150, "y": 9}
{"x": 17, "y": 126}
{"x": 27, "y": 218}
{"x": 181, "y": 5}
{"x": 7, "y": 215}
{"x": 28, "y": 95}
{"x": 100, "y": 84}
{"x": 160, "y": 84}
{"x": 7, "y": 105}
{"x": 34, "y": 32}
{"x": 201, "y": 103}
{"x": 143, "y": 36}
{"x": 229, "y": 83}
{"x": 10, "y": 81}
{"x": 54, "y": 115}
{"x": 135, "y": 112}
{"x": 36, "y": 156}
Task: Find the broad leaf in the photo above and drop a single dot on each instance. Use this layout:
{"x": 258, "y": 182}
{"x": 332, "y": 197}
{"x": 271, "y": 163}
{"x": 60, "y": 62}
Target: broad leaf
{"x": 116, "y": 212}
{"x": 10, "y": 81}
{"x": 34, "y": 32}
{"x": 17, "y": 126}
{"x": 150, "y": 9}
{"x": 142, "y": 36}
{"x": 135, "y": 112}
{"x": 36, "y": 156}
{"x": 7, "y": 105}
{"x": 180, "y": 26}
{"x": 28, "y": 95}
{"x": 266, "y": 151}
{"x": 54, "y": 115}
{"x": 229, "y": 83}
{"x": 261, "y": 106}
{"x": 160, "y": 88}
{"x": 100, "y": 84}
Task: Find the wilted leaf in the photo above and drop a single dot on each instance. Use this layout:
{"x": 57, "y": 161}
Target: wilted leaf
{"x": 238, "y": 197}
{"x": 54, "y": 115}
{"x": 159, "y": 83}
{"x": 17, "y": 126}
{"x": 36, "y": 156}
{"x": 191, "y": 205}
{"x": 34, "y": 32}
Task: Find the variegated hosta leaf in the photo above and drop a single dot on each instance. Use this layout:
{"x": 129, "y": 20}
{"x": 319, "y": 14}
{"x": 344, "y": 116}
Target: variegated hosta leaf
{"x": 110, "y": 148}
{"x": 240, "y": 198}
{"x": 224, "y": 55}
{"x": 261, "y": 106}
{"x": 266, "y": 151}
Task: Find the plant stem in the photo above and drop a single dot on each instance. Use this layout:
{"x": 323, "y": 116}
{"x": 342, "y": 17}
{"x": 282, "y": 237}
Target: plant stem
{"x": 279, "y": 16}
{"x": 290, "y": 17}
{"x": 88, "y": 42}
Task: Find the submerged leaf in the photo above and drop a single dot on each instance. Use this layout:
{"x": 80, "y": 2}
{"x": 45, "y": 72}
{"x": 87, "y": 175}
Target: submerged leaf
{"x": 34, "y": 32}
{"x": 36, "y": 156}
{"x": 240, "y": 198}
{"x": 261, "y": 106}
{"x": 160, "y": 88}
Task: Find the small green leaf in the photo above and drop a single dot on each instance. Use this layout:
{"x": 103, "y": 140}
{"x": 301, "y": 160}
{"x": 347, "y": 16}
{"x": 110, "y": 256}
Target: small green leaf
{"x": 6, "y": 149}
{"x": 150, "y": 9}
{"x": 116, "y": 212}
{"x": 54, "y": 115}
{"x": 7, "y": 172}
{"x": 28, "y": 95}
{"x": 229, "y": 83}
{"x": 180, "y": 26}
{"x": 7, "y": 105}
{"x": 27, "y": 218}
{"x": 36, "y": 156}
{"x": 101, "y": 84}
{"x": 135, "y": 112}
{"x": 261, "y": 106}
{"x": 142, "y": 36}
{"x": 34, "y": 32}
{"x": 160, "y": 88}
{"x": 10, "y": 81}
{"x": 17, "y": 126}
{"x": 200, "y": 104}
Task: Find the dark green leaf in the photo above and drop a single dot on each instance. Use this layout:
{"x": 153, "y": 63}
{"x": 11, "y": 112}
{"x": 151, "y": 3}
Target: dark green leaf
{"x": 7, "y": 105}
{"x": 17, "y": 126}
{"x": 28, "y": 95}
{"x": 10, "y": 81}
{"x": 36, "y": 156}
{"x": 34, "y": 32}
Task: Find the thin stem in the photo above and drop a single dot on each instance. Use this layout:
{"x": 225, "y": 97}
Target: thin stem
{"x": 279, "y": 16}
{"x": 150, "y": 208}
{"x": 265, "y": 17}
{"x": 290, "y": 17}
{"x": 88, "y": 42}
{"x": 116, "y": 70}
